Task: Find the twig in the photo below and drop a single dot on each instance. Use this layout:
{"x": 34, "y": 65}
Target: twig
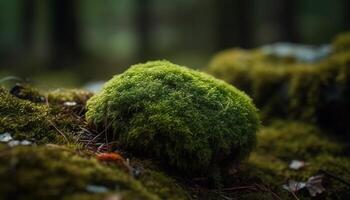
{"x": 294, "y": 195}
{"x": 59, "y": 131}
{"x": 238, "y": 188}
{"x": 266, "y": 189}
{"x": 9, "y": 78}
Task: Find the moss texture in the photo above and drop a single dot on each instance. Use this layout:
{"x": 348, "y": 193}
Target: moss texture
{"x": 342, "y": 42}
{"x": 284, "y": 138}
{"x": 284, "y": 141}
{"x": 40, "y": 122}
{"x": 192, "y": 121}
{"x": 59, "y": 173}
{"x": 162, "y": 185}
{"x": 65, "y": 172}
{"x": 267, "y": 169}
{"x": 283, "y": 87}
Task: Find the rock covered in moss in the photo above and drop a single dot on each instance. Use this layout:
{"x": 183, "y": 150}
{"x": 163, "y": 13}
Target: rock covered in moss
{"x": 188, "y": 119}
{"x": 284, "y": 87}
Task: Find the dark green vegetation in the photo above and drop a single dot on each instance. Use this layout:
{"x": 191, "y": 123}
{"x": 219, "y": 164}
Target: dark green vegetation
{"x": 285, "y": 87}
{"x": 191, "y": 121}
{"x": 39, "y": 122}
{"x": 47, "y": 172}
{"x": 267, "y": 169}
{"x": 60, "y": 163}
{"x": 342, "y": 42}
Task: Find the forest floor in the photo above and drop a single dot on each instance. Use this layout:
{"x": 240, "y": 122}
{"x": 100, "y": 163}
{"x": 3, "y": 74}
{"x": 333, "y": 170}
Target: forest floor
{"x": 48, "y": 151}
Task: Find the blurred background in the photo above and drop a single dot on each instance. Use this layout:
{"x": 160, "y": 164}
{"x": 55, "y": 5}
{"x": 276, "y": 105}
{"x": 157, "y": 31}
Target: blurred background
{"x": 69, "y": 43}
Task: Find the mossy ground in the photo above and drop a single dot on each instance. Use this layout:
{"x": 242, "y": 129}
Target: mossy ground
{"x": 59, "y": 166}
{"x": 45, "y": 172}
{"x": 54, "y": 171}
{"x": 267, "y": 169}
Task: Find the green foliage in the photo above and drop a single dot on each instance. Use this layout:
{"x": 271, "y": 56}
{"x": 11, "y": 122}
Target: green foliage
{"x": 188, "y": 119}
{"x": 54, "y": 172}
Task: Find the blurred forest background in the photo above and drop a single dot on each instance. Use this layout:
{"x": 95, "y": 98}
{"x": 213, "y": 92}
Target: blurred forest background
{"x": 68, "y": 43}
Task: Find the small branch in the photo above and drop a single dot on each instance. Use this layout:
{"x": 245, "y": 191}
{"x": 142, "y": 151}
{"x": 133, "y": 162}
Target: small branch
{"x": 59, "y": 131}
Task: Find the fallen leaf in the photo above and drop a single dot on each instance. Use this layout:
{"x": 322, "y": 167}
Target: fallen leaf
{"x": 314, "y": 185}
{"x": 116, "y": 159}
{"x": 294, "y": 186}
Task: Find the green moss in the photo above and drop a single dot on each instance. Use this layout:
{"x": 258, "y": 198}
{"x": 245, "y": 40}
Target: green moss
{"x": 314, "y": 92}
{"x": 341, "y": 42}
{"x": 284, "y": 141}
{"x": 188, "y": 119}
{"x": 267, "y": 169}
{"x": 295, "y": 140}
{"x": 44, "y": 172}
{"x": 60, "y": 96}
{"x": 38, "y": 122}
{"x": 162, "y": 185}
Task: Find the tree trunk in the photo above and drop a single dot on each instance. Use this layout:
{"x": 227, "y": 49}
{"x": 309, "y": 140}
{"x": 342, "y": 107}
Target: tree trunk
{"x": 143, "y": 23}
{"x": 27, "y": 32}
{"x": 286, "y": 16}
{"x": 65, "y": 35}
{"x": 234, "y": 24}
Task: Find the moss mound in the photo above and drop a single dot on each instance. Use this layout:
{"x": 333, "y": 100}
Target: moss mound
{"x": 287, "y": 88}
{"x": 46, "y": 172}
{"x": 192, "y": 121}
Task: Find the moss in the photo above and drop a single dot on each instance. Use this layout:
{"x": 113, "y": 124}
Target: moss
{"x": 38, "y": 122}
{"x": 44, "y": 172}
{"x": 314, "y": 92}
{"x": 162, "y": 185}
{"x": 60, "y": 96}
{"x": 341, "y": 42}
{"x": 267, "y": 169}
{"x": 188, "y": 119}
{"x": 284, "y": 139}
